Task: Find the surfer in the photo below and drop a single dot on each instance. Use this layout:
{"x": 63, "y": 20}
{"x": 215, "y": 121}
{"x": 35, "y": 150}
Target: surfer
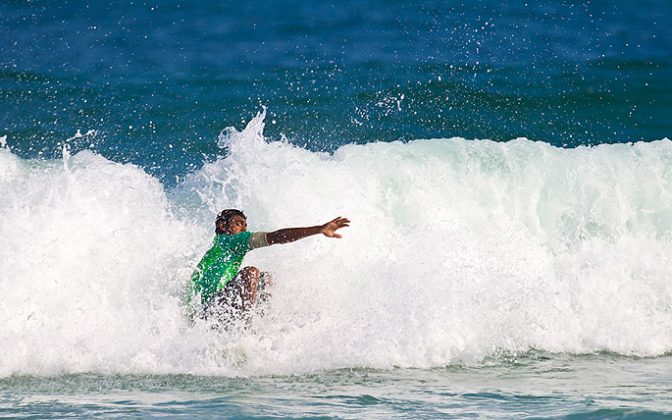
{"x": 227, "y": 291}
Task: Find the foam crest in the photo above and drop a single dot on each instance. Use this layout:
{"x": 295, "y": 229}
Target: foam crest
{"x": 458, "y": 250}
{"x": 90, "y": 267}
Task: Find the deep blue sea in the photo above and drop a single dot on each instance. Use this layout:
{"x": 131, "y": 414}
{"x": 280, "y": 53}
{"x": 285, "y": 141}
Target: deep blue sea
{"x": 507, "y": 167}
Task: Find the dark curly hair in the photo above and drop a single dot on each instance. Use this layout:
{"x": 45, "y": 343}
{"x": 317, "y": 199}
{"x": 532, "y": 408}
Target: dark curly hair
{"x": 226, "y": 215}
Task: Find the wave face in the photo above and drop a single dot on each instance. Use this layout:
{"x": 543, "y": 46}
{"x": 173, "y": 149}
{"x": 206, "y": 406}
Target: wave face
{"x": 458, "y": 250}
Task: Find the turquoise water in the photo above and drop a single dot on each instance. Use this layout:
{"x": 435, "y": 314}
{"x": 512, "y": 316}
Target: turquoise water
{"x": 527, "y": 386}
{"x": 507, "y": 169}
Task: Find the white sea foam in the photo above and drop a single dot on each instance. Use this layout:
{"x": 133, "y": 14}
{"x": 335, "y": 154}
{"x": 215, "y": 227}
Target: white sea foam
{"x": 457, "y": 250}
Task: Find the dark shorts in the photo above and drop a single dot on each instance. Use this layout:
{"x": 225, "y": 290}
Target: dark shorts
{"x": 229, "y": 304}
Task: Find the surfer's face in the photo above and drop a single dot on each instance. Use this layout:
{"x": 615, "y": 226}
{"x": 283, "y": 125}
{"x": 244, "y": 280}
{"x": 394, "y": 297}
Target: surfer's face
{"x": 235, "y": 225}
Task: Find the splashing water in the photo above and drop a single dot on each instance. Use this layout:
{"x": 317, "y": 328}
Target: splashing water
{"x": 458, "y": 250}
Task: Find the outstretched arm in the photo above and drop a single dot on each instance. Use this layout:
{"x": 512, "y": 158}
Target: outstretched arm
{"x": 329, "y": 229}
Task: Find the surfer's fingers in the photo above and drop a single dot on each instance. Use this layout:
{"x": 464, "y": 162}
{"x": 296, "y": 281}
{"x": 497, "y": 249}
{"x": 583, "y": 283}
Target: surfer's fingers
{"x": 341, "y": 221}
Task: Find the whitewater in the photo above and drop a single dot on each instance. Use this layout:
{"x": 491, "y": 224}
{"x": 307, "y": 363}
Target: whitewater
{"x": 459, "y": 250}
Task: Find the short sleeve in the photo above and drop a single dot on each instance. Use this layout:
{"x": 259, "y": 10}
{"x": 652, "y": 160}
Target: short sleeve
{"x": 257, "y": 240}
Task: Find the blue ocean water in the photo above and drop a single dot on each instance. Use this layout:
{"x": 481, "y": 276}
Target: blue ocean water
{"x": 507, "y": 168}
{"x": 152, "y": 74}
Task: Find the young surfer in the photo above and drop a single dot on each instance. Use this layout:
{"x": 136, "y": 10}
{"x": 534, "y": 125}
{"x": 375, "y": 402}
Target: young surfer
{"x": 226, "y": 290}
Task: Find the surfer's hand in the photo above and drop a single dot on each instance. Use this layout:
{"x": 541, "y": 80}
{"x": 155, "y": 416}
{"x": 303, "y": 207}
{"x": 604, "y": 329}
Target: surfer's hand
{"x": 329, "y": 229}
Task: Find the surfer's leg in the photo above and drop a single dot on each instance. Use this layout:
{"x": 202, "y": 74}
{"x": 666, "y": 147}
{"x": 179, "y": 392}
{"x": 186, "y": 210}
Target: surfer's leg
{"x": 263, "y": 288}
{"x": 265, "y": 279}
{"x": 249, "y": 277}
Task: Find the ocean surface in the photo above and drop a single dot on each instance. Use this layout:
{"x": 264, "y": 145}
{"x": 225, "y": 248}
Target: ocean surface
{"x": 507, "y": 168}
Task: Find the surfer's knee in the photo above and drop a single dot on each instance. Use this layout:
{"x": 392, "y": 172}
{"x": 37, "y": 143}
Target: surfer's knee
{"x": 250, "y": 277}
{"x": 250, "y": 272}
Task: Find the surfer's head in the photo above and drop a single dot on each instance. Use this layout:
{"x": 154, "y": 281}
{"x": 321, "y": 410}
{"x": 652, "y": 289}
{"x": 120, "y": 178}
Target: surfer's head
{"x": 231, "y": 222}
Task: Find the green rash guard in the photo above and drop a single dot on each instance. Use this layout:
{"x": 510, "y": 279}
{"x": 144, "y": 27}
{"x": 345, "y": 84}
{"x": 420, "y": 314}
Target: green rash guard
{"x": 222, "y": 261}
